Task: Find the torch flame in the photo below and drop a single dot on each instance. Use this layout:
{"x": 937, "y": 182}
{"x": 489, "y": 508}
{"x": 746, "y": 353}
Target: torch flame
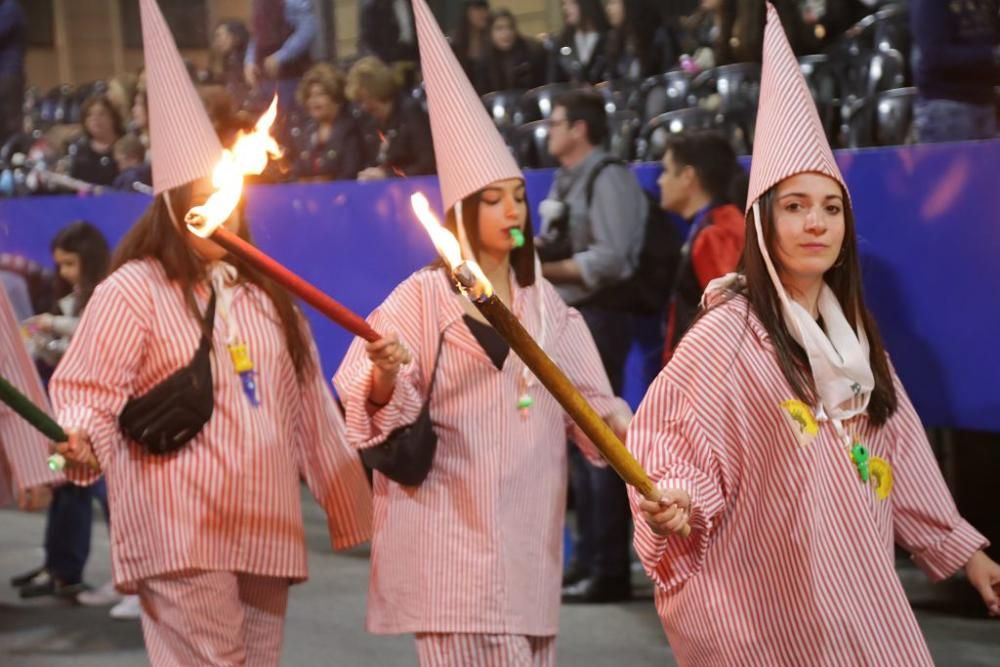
{"x": 249, "y": 155}
{"x": 468, "y": 273}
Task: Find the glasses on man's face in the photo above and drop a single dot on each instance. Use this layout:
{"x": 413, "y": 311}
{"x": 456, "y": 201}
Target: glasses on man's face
{"x": 553, "y": 122}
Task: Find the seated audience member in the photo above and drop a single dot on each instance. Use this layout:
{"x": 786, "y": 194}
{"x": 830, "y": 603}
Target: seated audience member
{"x": 582, "y": 43}
{"x": 472, "y": 35}
{"x": 130, "y": 156}
{"x": 330, "y": 146}
{"x": 91, "y": 156}
{"x": 512, "y": 61}
{"x": 404, "y": 132}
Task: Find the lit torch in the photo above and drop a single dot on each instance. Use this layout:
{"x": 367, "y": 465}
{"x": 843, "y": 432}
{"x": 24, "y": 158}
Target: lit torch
{"x": 250, "y": 155}
{"x": 474, "y": 284}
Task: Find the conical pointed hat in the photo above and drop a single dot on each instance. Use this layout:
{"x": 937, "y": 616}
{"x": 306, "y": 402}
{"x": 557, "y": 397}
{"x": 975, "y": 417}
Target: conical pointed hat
{"x": 469, "y": 151}
{"x": 183, "y": 144}
{"x": 789, "y": 138}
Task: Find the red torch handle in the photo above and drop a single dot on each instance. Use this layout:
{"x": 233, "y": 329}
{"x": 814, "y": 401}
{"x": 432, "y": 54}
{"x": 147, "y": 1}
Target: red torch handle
{"x": 333, "y": 309}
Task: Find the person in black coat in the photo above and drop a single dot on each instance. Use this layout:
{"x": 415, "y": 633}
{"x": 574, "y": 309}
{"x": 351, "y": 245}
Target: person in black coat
{"x": 399, "y": 131}
{"x": 582, "y": 43}
{"x": 330, "y": 146}
{"x": 513, "y": 62}
{"x": 640, "y": 43}
{"x": 92, "y": 155}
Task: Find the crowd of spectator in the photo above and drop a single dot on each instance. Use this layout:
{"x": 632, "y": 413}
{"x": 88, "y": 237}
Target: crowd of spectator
{"x": 697, "y": 62}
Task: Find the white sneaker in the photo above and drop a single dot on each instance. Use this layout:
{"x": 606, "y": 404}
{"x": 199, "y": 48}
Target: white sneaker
{"x": 99, "y": 597}
{"x": 128, "y": 609}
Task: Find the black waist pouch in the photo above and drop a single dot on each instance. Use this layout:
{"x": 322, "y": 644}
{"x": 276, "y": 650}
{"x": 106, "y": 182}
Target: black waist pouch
{"x": 169, "y": 415}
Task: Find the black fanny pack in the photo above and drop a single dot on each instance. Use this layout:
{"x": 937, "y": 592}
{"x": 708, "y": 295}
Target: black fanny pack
{"x": 169, "y": 415}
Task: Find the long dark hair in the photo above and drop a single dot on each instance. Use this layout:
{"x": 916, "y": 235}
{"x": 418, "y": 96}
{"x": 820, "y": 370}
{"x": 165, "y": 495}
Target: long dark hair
{"x": 592, "y": 17}
{"x": 87, "y": 242}
{"x": 844, "y": 279}
{"x": 156, "y": 236}
{"x": 522, "y": 260}
{"x": 463, "y": 31}
{"x": 638, "y": 30}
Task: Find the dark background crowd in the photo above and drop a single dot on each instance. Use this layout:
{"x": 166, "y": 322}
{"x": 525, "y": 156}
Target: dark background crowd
{"x": 882, "y": 73}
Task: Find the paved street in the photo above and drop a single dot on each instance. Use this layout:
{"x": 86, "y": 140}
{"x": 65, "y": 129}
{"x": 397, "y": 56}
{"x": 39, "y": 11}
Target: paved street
{"x": 326, "y": 617}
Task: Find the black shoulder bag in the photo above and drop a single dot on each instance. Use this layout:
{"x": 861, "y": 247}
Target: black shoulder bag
{"x": 169, "y": 415}
{"x": 406, "y": 455}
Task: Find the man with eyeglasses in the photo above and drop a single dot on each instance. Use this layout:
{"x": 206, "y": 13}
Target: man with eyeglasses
{"x": 592, "y": 229}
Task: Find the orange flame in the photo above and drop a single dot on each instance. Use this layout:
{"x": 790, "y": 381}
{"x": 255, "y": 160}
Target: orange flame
{"x": 470, "y": 276}
{"x": 249, "y": 155}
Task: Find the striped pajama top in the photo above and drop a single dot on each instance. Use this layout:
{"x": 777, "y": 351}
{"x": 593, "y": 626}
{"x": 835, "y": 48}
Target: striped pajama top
{"x": 791, "y": 557}
{"x": 229, "y": 499}
{"x": 477, "y": 548}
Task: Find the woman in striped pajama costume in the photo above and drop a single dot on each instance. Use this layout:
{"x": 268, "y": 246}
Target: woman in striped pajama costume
{"x": 470, "y": 561}
{"x": 210, "y": 536}
{"x": 781, "y": 434}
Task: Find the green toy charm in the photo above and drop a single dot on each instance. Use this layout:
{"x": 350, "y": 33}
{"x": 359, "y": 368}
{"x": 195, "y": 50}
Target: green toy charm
{"x": 517, "y": 236}
{"x": 859, "y": 455}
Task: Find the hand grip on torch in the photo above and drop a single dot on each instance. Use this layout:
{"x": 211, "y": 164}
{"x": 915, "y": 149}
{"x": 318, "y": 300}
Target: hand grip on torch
{"x": 553, "y": 378}
{"x": 38, "y": 418}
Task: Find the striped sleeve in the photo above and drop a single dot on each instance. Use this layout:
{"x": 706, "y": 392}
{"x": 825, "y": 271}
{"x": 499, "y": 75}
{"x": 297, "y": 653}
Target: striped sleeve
{"x": 23, "y": 450}
{"x": 925, "y": 520}
{"x": 330, "y": 468}
{"x": 400, "y": 313}
{"x": 669, "y": 443}
{"x": 97, "y": 375}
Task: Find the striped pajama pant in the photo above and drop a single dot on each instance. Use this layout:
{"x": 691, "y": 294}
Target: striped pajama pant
{"x": 475, "y": 650}
{"x": 223, "y": 619}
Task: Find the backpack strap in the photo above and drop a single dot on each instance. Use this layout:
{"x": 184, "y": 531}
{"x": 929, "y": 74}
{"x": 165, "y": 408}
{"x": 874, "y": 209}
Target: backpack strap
{"x": 596, "y": 171}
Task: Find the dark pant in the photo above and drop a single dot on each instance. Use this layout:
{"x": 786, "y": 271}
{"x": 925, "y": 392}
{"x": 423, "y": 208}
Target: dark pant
{"x": 67, "y": 532}
{"x": 603, "y": 518}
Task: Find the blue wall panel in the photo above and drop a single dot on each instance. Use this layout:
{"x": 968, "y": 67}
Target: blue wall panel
{"x": 927, "y": 217}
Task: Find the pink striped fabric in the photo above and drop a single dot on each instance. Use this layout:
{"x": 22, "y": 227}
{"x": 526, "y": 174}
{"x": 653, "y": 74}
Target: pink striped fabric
{"x": 469, "y": 151}
{"x": 229, "y": 500}
{"x": 213, "y": 618}
{"x": 791, "y": 559}
{"x": 463, "y": 650}
{"x": 477, "y": 548}
{"x": 183, "y": 143}
{"x": 789, "y": 137}
{"x": 23, "y": 450}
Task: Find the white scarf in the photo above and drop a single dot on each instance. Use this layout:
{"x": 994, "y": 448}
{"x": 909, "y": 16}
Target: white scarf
{"x": 838, "y": 359}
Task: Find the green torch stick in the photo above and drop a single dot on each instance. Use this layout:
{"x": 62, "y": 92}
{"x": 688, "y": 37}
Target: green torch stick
{"x": 35, "y": 416}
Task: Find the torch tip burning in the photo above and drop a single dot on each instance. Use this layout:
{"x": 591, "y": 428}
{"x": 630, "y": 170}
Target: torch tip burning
{"x": 467, "y": 273}
{"x": 249, "y": 155}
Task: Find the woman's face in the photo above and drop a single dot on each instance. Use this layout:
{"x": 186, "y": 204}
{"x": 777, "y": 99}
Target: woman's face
{"x": 711, "y": 5}
{"x": 615, "y": 10}
{"x": 502, "y": 34}
{"x": 571, "y": 12}
{"x": 205, "y": 248}
{"x": 99, "y": 123}
{"x": 809, "y": 227}
{"x": 222, "y": 40}
{"x": 68, "y": 265}
{"x": 502, "y": 207}
{"x": 319, "y": 104}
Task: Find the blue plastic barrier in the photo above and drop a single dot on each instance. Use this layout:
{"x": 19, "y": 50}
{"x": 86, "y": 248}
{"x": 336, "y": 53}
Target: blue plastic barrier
{"x": 927, "y": 217}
